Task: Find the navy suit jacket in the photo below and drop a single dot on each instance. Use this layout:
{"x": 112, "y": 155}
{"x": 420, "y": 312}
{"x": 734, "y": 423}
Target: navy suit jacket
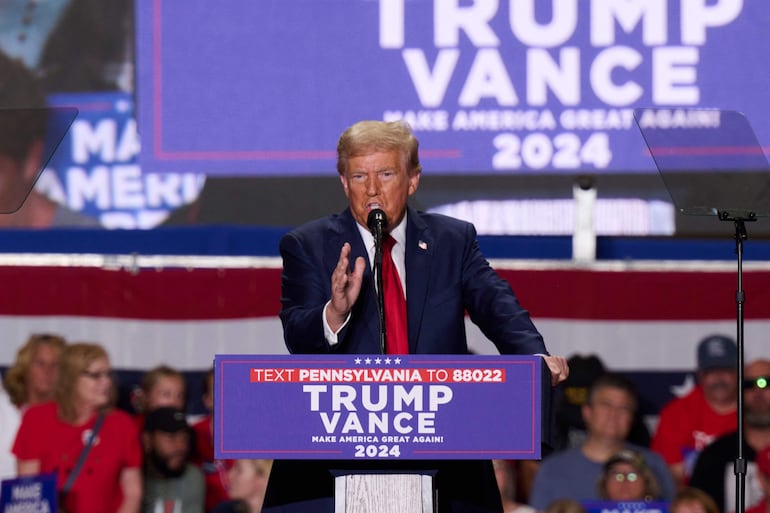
{"x": 446, "y": 275}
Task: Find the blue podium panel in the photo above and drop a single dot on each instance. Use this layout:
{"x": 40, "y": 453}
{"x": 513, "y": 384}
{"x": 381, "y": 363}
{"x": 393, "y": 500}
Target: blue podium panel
{"x": 386, "y": 407}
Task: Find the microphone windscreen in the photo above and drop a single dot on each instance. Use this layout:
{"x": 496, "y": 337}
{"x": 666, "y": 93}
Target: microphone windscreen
{"x": 377, "y": 220}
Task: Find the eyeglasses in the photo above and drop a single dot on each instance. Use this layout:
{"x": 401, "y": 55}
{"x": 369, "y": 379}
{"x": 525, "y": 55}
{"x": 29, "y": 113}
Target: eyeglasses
{"x": 97, "y": 374}
{"x": 625, "y": 408}
{"x": 760, "y": 382}
{"x": 620, "y": 477}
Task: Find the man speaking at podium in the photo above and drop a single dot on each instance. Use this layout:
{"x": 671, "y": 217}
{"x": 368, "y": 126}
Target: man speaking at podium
{"x": 432, "y": 273}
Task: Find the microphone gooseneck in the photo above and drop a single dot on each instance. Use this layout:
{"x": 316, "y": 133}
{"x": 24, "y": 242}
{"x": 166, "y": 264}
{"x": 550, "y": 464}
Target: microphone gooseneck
{"x": 378, "y": 223}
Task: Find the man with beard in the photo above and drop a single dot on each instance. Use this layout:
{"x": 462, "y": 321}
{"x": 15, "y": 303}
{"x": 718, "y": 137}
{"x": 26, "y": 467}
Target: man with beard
{"x": 171, "y": 483}
{"x": 689, "y": 423}
{"x": 714, "y": 469}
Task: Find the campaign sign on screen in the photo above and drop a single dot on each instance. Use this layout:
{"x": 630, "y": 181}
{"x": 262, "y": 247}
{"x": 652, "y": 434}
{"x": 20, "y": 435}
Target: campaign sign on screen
{"x": 377, "y": 407}
{"x": 504, "y": 87}
{"x": 95, "y": 170}
{"x": 29, "y": 494}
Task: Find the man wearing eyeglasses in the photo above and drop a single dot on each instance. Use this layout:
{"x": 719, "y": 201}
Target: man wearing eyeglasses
{"x": 689, "y": 423}
{"x": 573, "y": 473}
{"x": 713, "y": 471}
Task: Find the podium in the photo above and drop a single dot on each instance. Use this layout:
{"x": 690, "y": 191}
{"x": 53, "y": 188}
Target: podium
{"x": 381, "y": 425}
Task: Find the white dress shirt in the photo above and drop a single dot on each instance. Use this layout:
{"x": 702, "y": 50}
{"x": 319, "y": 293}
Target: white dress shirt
{"x": 399, "y": 260}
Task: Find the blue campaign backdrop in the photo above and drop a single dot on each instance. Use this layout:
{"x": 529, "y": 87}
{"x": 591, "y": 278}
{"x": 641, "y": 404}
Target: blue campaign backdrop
{"x": 265, "y": 88}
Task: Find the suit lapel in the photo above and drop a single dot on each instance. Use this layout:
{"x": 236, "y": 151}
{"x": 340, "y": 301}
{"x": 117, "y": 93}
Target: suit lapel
{"x": 418, "y": 255}
{"x": 346, "y": 230}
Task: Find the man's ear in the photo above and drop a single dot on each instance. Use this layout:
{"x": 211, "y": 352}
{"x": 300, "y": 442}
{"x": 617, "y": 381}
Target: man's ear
{"x": 414, "y": 182}
{"x": 344, "y": 181}
{"x": 585, "y": 412}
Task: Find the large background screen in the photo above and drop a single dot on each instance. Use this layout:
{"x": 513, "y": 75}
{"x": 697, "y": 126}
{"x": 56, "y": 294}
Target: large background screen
{"x": 490, "y": 87}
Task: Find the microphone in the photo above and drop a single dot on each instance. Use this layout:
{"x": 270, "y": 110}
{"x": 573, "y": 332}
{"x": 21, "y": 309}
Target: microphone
{"x": 377, "y": 223}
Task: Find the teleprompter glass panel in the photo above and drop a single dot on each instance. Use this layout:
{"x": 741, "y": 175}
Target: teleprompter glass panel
{"x": 28, "y": 139}
{"x": 710, "y": 161}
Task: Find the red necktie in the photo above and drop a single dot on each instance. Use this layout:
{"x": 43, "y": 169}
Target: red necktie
{"x": 397, "y": 339}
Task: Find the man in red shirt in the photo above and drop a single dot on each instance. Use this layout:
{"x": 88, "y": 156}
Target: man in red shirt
{"x": 689, "y": 423}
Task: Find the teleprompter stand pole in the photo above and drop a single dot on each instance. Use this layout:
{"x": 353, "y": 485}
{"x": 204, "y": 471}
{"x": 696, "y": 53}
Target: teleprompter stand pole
{"x": 740, "y": 298}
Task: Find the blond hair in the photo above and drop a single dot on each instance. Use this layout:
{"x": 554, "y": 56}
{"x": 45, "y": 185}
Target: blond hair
{"x": 151, "y": 378}
{"x": 367, "y": 137}
{"x": 15, "y": 379}
{"x": 75, "y": 359}
{"x": 262, "y": 467}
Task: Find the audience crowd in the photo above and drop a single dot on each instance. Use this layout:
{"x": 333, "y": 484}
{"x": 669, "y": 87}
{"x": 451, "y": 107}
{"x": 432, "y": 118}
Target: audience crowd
{"x": 59, "y": 413}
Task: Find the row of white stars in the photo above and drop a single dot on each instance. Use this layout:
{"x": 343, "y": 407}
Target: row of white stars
{"x": 377, "y": 361}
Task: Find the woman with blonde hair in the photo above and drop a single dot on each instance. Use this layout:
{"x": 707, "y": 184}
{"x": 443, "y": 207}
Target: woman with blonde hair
{"x": 93, "y": 448}
{"x": 30, "y": 380}
{"x": 247, "y": 484}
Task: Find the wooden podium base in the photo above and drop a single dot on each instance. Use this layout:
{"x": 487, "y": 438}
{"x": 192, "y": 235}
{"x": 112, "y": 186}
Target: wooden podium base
{"x": 383, "y": 493}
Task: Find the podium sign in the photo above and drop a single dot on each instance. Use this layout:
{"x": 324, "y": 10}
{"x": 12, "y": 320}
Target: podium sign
{"x": 377, "y": 407}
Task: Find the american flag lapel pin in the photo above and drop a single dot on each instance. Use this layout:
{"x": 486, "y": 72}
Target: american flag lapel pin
{"x": 422, "y": 245}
